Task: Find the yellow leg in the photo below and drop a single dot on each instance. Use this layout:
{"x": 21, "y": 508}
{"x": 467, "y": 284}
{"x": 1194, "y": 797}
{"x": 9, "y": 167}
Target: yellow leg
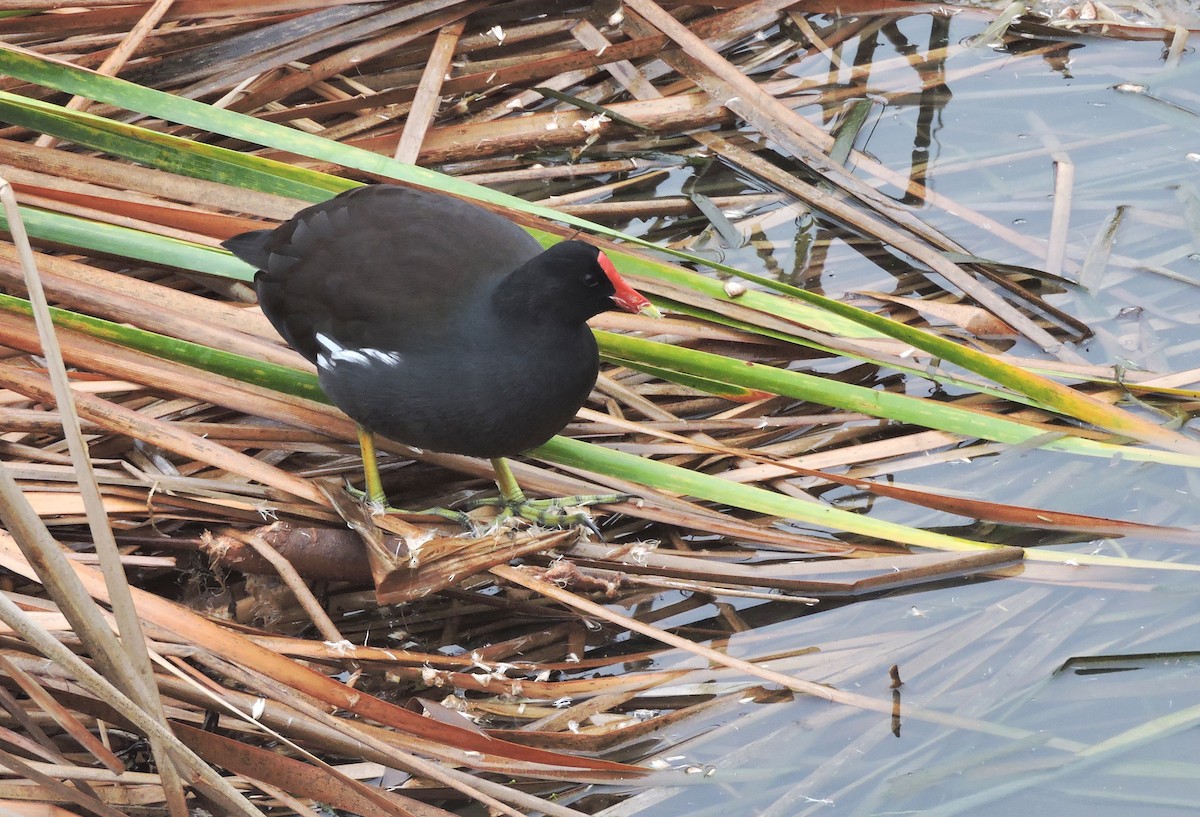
{"x": 507, "y": 483}
{"x": 374, "y": 493}
{"x": 366, "y": 443}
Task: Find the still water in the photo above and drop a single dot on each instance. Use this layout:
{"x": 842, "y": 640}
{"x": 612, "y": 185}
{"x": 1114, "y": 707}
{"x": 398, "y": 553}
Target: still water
{"x": 1073, "y": 697}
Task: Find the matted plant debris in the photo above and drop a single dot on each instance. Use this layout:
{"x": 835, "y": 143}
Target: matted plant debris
{"x": 282, "y": 645}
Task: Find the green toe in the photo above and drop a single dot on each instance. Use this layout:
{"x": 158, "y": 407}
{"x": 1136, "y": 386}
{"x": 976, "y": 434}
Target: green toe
{"x": 456, "y": 516}
{"x": 561, "y": 512}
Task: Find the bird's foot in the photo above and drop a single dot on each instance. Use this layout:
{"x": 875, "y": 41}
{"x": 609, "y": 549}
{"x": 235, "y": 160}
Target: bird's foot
{"x": 378, "y": 506}
{"x": 560, "y": 512}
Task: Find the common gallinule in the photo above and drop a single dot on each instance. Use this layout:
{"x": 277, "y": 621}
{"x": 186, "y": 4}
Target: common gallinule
{"x": 440, "y": 324}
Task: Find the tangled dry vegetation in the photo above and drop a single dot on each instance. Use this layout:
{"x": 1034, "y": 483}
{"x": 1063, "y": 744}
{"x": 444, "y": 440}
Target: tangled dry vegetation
{"x": 385, "y": 665}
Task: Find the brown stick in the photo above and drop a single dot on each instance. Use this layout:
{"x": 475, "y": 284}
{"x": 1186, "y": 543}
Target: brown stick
{"x": 117, "y": 418}
{"x": 428, "y": 99}
{"x": 295, "y": 583}
{"x": 115, "y": 61}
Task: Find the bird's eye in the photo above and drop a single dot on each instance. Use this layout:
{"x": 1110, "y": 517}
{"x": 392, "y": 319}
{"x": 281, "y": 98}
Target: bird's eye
{"x": 593, "y": 279}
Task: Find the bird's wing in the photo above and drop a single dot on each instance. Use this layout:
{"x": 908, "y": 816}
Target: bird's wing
{"x": 381, "y": 267}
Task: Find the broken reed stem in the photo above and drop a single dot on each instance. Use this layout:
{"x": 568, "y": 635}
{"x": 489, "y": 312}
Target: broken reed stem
{"x": 117, "y": 59}
{"x": 199, "y": 773}
{"x": 831, "y": 694}
{"x": 552, "y": 591}
{"x": 135, "y": 675}
{"x": 428, "y": 98}
{"x": 295, "y": 583}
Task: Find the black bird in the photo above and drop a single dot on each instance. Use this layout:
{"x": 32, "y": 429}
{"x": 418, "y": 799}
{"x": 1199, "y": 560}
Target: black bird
{"x": 440, "y": 324}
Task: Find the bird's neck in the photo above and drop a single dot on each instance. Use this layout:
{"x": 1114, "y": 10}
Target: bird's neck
{"x": 531, "y": 295}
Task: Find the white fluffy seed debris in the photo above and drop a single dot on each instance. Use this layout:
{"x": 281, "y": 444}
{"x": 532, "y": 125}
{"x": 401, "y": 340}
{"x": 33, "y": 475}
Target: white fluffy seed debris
{"x": 592, "y": 124}
{"x": 734, "y": 290}
{"x": 342, "y": 647}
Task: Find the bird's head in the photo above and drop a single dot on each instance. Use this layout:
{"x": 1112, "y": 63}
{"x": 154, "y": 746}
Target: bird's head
{"x": 581, "y": 281}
